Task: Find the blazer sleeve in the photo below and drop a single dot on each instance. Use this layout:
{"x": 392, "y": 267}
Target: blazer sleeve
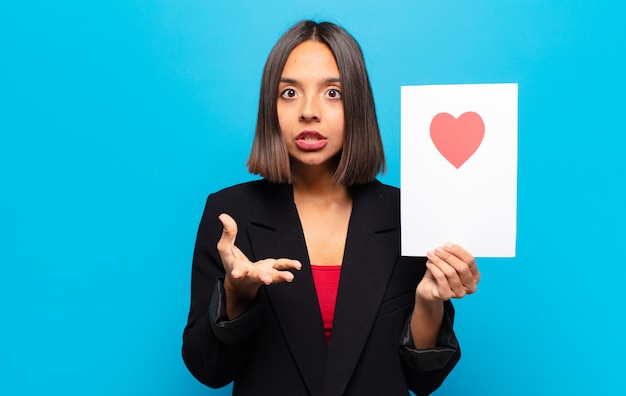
{"x": 214, "y": 348}
{"x": 426, "y": 369}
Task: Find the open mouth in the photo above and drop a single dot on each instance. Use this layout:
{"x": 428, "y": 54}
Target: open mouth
{"x": 311, "y": 140}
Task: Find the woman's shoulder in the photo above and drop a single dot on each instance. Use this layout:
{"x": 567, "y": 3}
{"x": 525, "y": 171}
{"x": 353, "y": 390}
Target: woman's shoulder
{"x": 386, "y": 187}
{"x": 247, "y": 192}
{"x": 378, "y": 189}
{"x": 377, "y": 196}
{"x": 244, "y": 189}
{"x": 378, "y": 204}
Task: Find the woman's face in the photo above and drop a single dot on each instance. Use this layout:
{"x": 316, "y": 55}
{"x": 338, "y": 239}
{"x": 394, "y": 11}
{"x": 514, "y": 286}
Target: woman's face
{"x": 310, "y": 107}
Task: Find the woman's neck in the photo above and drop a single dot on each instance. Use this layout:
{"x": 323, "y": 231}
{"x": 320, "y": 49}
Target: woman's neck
{"x": 317, "y": 183}
{"x": 324, "y": 209}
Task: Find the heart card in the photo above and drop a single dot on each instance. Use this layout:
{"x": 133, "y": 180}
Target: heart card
{"x": 459, "y": 168}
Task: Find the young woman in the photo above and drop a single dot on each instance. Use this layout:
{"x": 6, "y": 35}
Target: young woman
{"x": 298, "y": 286}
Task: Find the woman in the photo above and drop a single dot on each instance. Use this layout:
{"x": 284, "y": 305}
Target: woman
{"x": 298, "y": 286}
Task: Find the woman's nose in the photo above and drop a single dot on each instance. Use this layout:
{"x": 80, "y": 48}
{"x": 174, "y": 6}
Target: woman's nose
{"x": 310, "y": 108}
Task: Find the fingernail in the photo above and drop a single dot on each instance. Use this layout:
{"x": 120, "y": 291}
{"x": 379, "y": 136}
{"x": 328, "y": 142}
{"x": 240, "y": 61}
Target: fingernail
{"x": 448, "y": 245}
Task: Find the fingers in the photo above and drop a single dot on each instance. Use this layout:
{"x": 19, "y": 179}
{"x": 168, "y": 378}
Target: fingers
{"x": 229, "y": 233}
{"x": 234, "y": 261}
{"x": 271, "y": 271}
{"x": 465, "y": 257}
{"x": 447, "y": 282}
{"x": 434, "y": 285}
{"x": 241, "y": 270}
{"x": 284, "y": 264}
{"x": 454, "y": 271}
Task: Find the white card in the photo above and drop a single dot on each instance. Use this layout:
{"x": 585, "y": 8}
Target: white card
{"x": 459, "y": 168}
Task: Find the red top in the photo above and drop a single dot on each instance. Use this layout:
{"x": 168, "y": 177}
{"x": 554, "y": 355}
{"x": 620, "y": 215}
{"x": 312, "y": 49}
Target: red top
{"x": 326, "y": 279}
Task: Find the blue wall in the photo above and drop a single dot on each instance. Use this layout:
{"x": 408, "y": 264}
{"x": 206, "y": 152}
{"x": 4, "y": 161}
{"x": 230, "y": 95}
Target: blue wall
{"x": 117, "y": 118}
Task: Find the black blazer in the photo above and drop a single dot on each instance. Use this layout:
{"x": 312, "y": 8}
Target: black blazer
{"x": 279, "y": 347}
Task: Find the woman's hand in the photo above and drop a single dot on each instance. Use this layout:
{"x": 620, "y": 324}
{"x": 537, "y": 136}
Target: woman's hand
{"x": 451, "y": 273}
{"x": 243, "y": 277}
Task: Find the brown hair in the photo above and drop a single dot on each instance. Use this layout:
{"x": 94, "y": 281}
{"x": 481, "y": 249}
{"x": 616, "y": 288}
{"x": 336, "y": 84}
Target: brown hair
{"x": 362, "y": 156}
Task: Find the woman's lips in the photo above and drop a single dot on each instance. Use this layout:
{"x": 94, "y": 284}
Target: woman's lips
{"x": 311, "y": 141}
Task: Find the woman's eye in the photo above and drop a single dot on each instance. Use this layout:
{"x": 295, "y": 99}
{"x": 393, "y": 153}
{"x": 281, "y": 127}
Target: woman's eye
{"x": 288, "y": 93}
{"x": 334, "y": 93}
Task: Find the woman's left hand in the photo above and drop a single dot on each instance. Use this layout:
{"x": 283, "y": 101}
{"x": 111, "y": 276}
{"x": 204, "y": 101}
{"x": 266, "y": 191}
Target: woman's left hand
{"x": 451, "y": 272}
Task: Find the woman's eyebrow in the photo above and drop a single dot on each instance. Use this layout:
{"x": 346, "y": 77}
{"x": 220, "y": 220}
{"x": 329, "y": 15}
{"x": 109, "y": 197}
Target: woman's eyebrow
{"x": 288, "y": 80}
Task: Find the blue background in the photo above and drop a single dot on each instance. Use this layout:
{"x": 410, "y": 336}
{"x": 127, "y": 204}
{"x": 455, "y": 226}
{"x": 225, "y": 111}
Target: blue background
{"x": 117, "y": 118}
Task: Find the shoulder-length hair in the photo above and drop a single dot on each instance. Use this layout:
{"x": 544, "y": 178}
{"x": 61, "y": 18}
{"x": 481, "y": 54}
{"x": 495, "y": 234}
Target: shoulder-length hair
{"x": 362, "y": 156}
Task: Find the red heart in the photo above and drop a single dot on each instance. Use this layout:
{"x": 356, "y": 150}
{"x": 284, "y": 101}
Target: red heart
{"x": 457, "y": 139}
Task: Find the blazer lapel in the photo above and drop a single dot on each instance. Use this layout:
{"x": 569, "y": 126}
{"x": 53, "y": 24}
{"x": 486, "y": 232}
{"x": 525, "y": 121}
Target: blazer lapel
{"x": 371, "y": 250}
{"x": 276, "y": 232}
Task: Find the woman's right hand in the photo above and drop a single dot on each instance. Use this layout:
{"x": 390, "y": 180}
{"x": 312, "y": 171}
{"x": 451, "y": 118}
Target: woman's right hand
{"x": 243, "y": 277}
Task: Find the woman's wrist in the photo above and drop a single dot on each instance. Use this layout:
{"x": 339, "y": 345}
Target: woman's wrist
{"x": 238, "y": 301}
{"x": 426, "y": 322}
